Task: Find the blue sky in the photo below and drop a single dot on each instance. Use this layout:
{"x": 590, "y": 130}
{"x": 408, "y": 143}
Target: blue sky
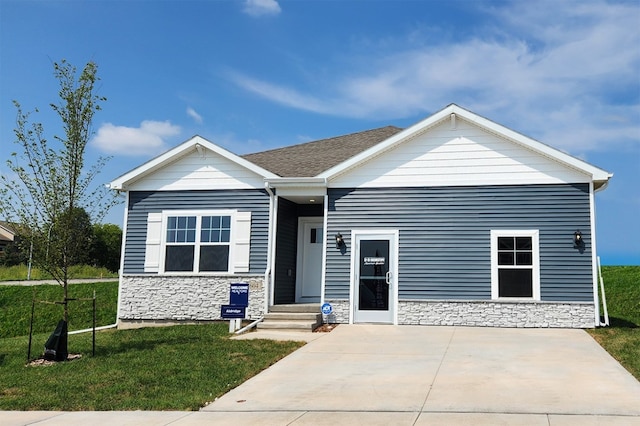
{"x": 259, "y": 74}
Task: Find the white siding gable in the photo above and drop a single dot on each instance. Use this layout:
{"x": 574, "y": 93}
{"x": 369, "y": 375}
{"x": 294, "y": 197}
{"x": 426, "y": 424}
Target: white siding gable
{"x": 463, "y": 154}
{"x": 199, "y": 170}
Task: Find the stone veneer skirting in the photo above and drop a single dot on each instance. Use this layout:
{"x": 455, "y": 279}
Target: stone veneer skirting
{"x": 497, "y": 314}
{"x": 484, "y": 313}
{"x": 168, "y": 299}
{"x": 171, "y": 298}
{"x": 340, "y": 314}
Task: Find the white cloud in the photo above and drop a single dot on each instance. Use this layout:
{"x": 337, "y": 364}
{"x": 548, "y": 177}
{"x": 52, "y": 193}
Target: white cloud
{"x": 261, "y": 7}
{"x": 566, "y": 66}
{"x": 148, "y": 139}
{"x": 280, "y": 94}
{"x": 193, "y": 114}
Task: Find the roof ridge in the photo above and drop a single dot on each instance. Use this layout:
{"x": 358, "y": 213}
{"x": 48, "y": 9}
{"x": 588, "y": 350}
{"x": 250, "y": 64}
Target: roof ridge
{"x": 311, "y": 158}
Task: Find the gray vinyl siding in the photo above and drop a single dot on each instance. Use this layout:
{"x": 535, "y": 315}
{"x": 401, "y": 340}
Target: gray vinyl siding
{"x": 444, "y": 246}
{"x": 143, "y": 202}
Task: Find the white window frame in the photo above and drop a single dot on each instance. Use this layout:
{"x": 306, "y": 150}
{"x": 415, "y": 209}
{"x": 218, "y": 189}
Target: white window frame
{"x": 196, "y": 255}
{"x": 535, "y": 264}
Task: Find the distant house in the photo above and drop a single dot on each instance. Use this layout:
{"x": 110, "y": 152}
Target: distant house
{"x": 455, "y": 220}
{"x": 7, "y": 236}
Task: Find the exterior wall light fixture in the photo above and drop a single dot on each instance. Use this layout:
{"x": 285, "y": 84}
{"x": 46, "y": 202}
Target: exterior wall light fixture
{"x": 577, "y": 239}
{"x": 339, "y": 241}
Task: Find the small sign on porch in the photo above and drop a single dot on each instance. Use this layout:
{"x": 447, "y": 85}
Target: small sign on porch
{"x": 326, "y": 309}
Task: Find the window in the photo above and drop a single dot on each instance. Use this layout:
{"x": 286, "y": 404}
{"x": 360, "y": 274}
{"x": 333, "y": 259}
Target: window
{"x": 515, "y": 271}
{"x": 197, "y": 243}
{"x": 316, "y": 236}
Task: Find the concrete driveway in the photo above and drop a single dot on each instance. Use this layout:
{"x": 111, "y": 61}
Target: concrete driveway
{"x": 387, "y": 375}
{"x": 373, "y": 374}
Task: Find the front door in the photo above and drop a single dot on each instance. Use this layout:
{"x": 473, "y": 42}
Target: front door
{"x": 374, "y": 276}
{"x": 309, "y": 271}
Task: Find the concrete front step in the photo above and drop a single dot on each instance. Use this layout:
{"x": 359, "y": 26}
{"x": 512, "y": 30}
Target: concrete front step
{"x": 288, "y": 325}
{"x": 297, "y": 317}
{"x": 297, "y": 307}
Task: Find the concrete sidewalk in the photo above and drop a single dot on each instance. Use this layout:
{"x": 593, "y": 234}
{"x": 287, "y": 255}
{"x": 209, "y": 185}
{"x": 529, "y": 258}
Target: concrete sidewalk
{"x": 380, "y": 375}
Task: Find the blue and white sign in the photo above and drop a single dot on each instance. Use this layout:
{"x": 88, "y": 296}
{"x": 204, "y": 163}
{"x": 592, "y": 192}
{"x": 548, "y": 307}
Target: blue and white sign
{"x": 239, "y": 295}
{"x": 231, "y": 311}
{"x": 327, "y": 309}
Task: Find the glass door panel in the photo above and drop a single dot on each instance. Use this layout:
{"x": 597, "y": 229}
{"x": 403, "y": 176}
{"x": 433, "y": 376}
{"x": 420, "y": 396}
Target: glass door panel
{"x": 374, "y": 281}
{"x": 374, "y": 268}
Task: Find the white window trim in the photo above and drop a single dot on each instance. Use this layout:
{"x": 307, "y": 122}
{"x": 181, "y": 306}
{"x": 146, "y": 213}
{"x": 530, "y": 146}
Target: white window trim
{"x": 535, "y": 241}
{"x": 198, "y": 213}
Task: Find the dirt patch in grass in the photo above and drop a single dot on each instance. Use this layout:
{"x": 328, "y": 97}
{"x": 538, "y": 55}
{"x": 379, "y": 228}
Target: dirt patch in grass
{"x": 40, "y": 362}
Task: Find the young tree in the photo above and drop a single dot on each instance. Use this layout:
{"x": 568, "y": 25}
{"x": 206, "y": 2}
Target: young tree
{"x": 51, "y": 189}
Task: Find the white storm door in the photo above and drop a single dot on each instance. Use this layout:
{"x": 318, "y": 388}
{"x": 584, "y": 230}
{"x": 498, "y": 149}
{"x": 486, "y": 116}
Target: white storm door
{"x": 374, "y": 280}
{"x": 309, "y": 270}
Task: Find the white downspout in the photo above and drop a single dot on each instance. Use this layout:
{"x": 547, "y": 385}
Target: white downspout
{"x": 594, "y": 255}
{"x": 327, "y": 240}
{"x": 267, "y": 273}
{"x": 250, "y": 326}
{"x": 87, "y": 330}
{"x": 122, "y": 247}
{"x": 274, "y": 230}
{"x": 605, "y": 311}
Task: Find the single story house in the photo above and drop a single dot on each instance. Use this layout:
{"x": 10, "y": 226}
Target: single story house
{"x": 455, "y": 220}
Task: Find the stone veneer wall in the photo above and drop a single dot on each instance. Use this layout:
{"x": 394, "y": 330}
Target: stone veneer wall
{"x": 497, "y": 314}
{"x": 340, "y": 313}
{"x": 166, "y": 298}
{"x": 484, "y": 314}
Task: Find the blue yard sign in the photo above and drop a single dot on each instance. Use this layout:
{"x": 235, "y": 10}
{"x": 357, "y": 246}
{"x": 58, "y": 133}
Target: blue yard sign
{"x": 239, "y": 294}
{"x": 327, "y": 309}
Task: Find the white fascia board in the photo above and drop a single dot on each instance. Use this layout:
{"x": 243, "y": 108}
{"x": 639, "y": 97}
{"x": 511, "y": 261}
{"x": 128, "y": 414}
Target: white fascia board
{"x": 598, "y": 175}
{"x": 298, "y": 187}
{"x": 173, "y": 154}
{"x": 307, "y": 182}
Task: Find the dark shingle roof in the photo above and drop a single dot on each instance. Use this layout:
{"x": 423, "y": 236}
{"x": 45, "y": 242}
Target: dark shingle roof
{"x": 312, "y": 158}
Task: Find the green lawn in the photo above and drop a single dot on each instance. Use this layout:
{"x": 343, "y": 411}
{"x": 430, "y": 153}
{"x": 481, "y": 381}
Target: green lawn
{"x": 622, "y": 338}
{"x": 168, "y": 368}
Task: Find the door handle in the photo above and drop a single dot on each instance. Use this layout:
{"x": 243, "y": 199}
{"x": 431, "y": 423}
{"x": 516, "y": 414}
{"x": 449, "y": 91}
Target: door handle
{"x": 388, "y": 277}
